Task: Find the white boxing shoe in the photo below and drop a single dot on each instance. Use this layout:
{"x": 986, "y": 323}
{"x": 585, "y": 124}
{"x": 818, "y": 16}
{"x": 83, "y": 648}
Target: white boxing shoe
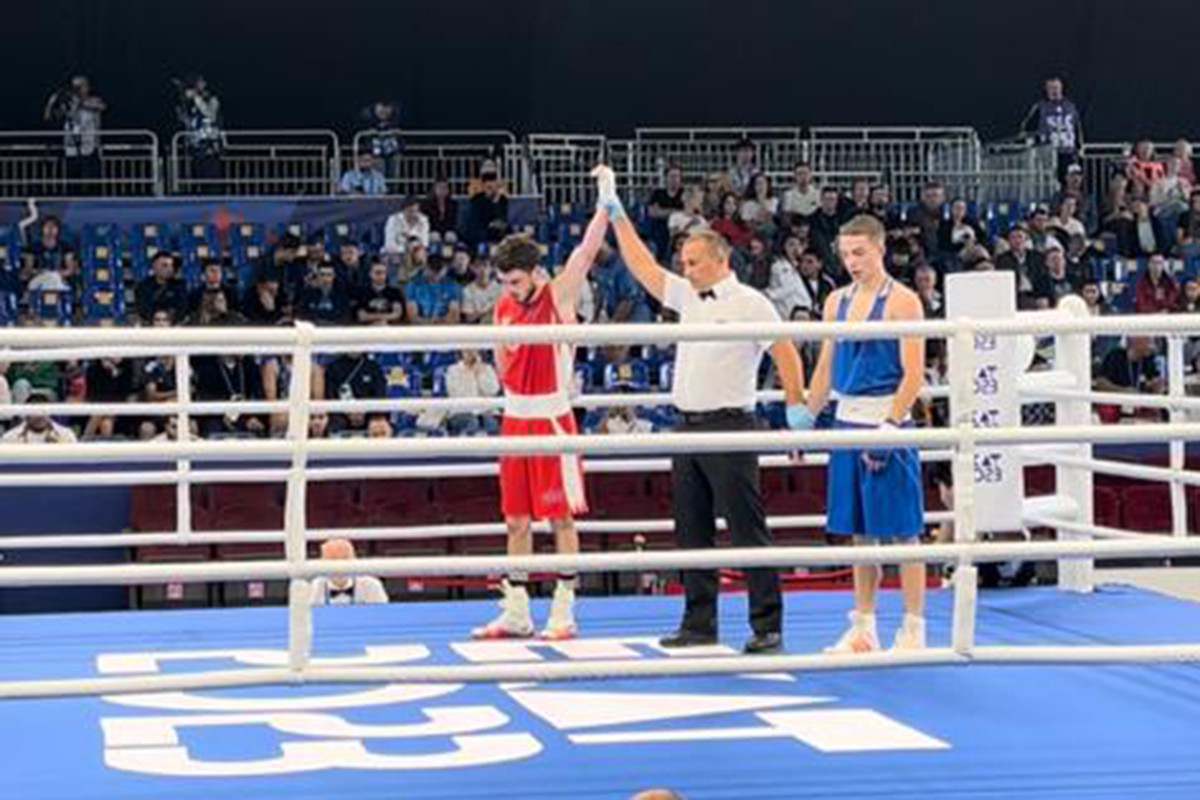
{"x": 561, "y": 623}
{"x": 514, "y": 621}
{"x": 860, "y": 637}
{"x": 911, "y": 634}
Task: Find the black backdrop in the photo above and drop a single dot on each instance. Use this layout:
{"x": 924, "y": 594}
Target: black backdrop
{"x": 584, "y": 65}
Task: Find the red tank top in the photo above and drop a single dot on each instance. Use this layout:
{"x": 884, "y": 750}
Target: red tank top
{"x": 535, "y": 369}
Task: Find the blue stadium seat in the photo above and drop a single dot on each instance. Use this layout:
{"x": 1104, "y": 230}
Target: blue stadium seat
{"x": 51, "y": 305}
{"x": 630, "y": 376}
{"x": 102, "y": 305}
{"x": 9, "y": 315}
{"x": 404, "y": 380}
{"x": 585, "y": 375}
{"x": 195, "y": 234}
{"x": 101, "y": 233}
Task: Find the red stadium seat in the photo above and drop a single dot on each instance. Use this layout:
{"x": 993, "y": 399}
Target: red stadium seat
{"x": 1147, "y": 508}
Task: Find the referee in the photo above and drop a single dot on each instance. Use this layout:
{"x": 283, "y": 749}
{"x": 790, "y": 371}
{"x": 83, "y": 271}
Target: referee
{"x": 715, "y": 388}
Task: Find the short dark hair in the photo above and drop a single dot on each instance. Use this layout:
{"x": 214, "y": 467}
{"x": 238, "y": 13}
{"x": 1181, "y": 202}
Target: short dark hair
{"x": 828, "y": 189}
{"x": 517, "y": 251}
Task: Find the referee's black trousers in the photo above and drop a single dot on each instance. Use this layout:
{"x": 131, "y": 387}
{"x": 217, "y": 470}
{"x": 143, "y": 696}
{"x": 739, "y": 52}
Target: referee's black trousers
{"x": 708, "y": 485}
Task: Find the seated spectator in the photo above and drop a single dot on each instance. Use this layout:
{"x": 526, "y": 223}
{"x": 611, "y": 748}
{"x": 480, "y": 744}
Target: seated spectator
{"x": 1137, "y": 234}
{"x": 338, "y": 590}
{"x": 289, "y": 262}
{"x": 264, "y": 305}
{"x": 1079, "y": 258}
{"x": 353, "y": 376}
{"x": 729, "y": 223}
{"x": 716, "y": 186}
{"x": 460, "y": 265}
{"x": 434, "y": 298}
{"x": 214, "y": 310}
{"x": 925, "y": 279}
{"x": 1187, "y": 233}
{"x": 618, "y": 297}
{"x": 1182, "y": 153}
{"x": 743, "y": 169}
{"x": 378, "y": 303}
{"x": 480, "y": 295}
{"x": 665, "y": 201}
{"x": 623, "y": 419}
{"x": 1143, "y": 169}
{"x": 470, "y": 376}
{"x": 318, "y": 425}
{"x": 1029, "y": 267}
{"x": 489, "y": 170}
{"x": 406, "y": 227}
{"x": 441, "y": 209}
{"x": 959, "y": 228}
{"x": 416, "y": 261}
{"x": 170, "y": 430}
{"x": 802, "y": 198}
{"x": 689, "y": 218}
{"x": 1066, "y": 223}
{"x": 37, "y": 379}
{"x": 798, "y": 283}
{"x": 925, "y": 221}
{"x": 1132, "y": 369}
{"x": 325, "y": 302}
{"x": 228, "y": 378}
{"x": 350, "y": 266}
{"x": 760, "y": 206}
{"x": 487, "y": 219}
{"x": 50, "y": 254}
{"x": 109, "y": 380}
{"x": 212, "y": 281}
{"x": 825, "y": 224}
{"x": 1060, "y": 280}
{"x": 379, "y": 426}
{"x": 364, "y": 179}
{"x": 1189, "y": 298}
{"x": 1085, "y": 206}
{"x": 1157, "y": 292}
{"x": 160, "y": 290}
{"x": 880, "y": 207}
{"x": 1038, "y": 226}
{"x": 859, "y": 199}
{"x": 1169, "y": 195}
{"x": 39, "y": 429}
{"x": 754, "y": 267}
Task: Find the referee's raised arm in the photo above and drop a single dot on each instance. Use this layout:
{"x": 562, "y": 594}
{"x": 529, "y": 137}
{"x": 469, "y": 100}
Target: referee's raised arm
{"x": 636, "y": 255}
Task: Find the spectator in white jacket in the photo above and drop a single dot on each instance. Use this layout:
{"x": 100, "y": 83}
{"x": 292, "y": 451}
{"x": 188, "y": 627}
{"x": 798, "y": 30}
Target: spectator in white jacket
{"x": 470, "y": 376}
{"x": 406, "y": 226}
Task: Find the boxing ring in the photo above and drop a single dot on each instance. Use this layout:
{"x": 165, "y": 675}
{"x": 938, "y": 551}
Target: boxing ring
{"x": 1080, "y": 691}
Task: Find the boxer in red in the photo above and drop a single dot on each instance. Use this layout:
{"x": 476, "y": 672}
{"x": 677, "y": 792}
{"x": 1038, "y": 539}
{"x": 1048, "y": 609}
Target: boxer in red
{"x": 537, "y": 380}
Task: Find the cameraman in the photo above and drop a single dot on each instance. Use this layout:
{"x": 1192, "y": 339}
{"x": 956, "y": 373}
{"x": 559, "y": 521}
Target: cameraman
{"x": 79, "y": 111}
{"x": 199, "y": 112}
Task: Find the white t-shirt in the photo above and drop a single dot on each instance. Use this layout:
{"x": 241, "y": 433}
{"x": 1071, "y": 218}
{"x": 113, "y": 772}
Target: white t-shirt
{"x": 399, "y": 230}
{"x": 714, "y": 375}
{"x": 683, "y": 222}
{"x": 365, "y": 589}
{"x": 480, "y": 299}
{"x": 803, "y": 203}
{"x": 54, "y": 434}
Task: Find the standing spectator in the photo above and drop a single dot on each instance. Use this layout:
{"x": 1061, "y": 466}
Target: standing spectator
{"x": 488, "y": 212}
{"x": 234, "y": 379}
{"x": 39, "y": 429}
{"x": 377, "y": 303}
{"x": 1028, "y": 266}
{"x": 405, "y": 227}
{"x": 326, "y": 302}
{"x": 434, "y": 298}
{"x": 665, "y": 201}
{"x": 689, "y": 218}
{"x": 741, "y": 172}
{"x": 50, "y": 254}
{"x": 441, "y": 209}
{"x": 469, "y": 376}
{"x": 382, "y": 134}
{"x": 729, "y": 223}
{"x": 480, "y": 295}
{"x": 353, "y": 376}
{"x": 803, "y": 198}
{"x": 212, "y": 282}
{"x": 760, "y": 206}
{"x": 199, "y": 112}
{"x": 1157, "y": 292}
{"x": 79, "y": 112}
{"x": 364, "y": 179}
{"x": 1055, "y": 121}
{"x": 160, "y": 290}
{"x": 1143, "y": 169}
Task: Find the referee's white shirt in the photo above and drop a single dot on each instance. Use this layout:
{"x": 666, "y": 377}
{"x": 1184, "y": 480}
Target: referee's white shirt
{"x": 713, "y": 375}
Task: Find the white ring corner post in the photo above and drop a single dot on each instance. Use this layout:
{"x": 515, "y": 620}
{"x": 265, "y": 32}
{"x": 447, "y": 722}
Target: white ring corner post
{"x": 295, "y": 521}
{"x": 988, "y": 481}
{"x": 1073, "y": 354}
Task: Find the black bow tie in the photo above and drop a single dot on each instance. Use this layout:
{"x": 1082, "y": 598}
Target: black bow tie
{"x": 708, "y": 294}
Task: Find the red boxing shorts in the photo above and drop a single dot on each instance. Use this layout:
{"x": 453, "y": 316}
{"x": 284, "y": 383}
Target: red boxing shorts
{"x": 541, "y": 487}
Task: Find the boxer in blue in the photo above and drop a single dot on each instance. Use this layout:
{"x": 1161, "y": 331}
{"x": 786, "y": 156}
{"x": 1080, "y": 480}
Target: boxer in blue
{"x": 874, "y": 494}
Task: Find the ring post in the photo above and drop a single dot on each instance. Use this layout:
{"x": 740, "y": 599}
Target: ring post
{"x": 1178, "y": 460}
{"x": 1073, "y": 352}
{"x": 962, "y": 417}
{"x": 294, "y": 512}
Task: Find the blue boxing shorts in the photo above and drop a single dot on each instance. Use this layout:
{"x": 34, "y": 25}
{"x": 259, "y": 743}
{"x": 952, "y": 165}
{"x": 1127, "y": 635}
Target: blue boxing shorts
{"x": 887, "y": 504}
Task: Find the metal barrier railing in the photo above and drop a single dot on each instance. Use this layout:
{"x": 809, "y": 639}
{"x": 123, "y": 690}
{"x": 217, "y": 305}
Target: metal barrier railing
{"x": 259, "y": 162}
{"x": 560, "y": 165}
{"x": 979, "y": 186}
{"x": 906, "y": 157}
{"x": 36, "y": 164}
{"x": 425, "y": 156}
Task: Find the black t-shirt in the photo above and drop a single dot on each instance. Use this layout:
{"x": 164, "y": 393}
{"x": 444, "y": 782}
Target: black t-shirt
{"x": 106, "y": 385}
{"x": 379, "y": 300}
{"x": 1119, "y": 370}
{"x": 361, "y": 376}
{"x": 663, "y": 198}
{"x": 162, "y": 375}
{"x": 45, "y": 258}
{"x": 219, "y": 379}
